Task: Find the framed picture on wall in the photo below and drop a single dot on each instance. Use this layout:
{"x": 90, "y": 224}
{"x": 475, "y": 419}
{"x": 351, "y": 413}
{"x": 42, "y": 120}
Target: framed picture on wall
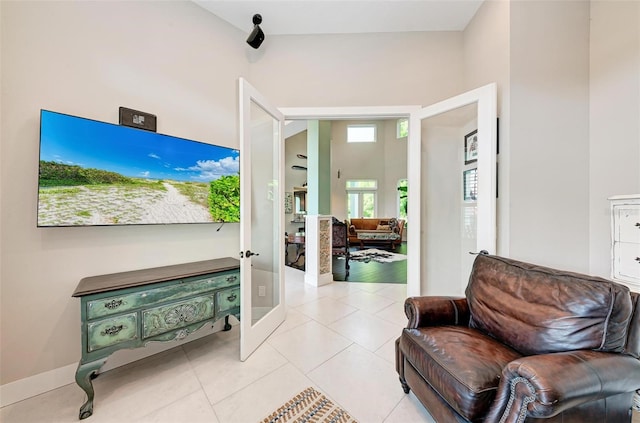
{"x": 288, "y": 202}
{"x": 471, "y": 147}
{"x": 470, "y": 184}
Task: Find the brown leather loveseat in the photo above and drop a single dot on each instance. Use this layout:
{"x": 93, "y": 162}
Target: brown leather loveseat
{"x": 526, "y": 344}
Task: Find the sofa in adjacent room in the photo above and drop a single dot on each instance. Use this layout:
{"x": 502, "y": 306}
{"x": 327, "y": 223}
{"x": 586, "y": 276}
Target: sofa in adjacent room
{"x": 385, "y": 231}
{"x": 526, "y": 343}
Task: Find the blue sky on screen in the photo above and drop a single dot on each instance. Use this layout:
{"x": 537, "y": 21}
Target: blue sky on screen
{"x": 131, "y": 152}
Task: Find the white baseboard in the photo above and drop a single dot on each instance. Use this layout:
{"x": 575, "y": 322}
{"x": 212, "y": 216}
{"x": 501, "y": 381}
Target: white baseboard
{"x": 31, "y": 386}
{"x": 35, "y": 385}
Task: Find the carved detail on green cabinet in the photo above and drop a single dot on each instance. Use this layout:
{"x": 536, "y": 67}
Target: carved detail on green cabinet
{"x": 118, "y": 304}
{"x": 111, "y": 331}
{"x": 162, "y": 319}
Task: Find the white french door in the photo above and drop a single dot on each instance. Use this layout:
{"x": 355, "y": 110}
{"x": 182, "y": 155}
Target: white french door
{"x": 451, "y": 225}
{"x": 261, "y": 219}
{"x": 481, "y": 217}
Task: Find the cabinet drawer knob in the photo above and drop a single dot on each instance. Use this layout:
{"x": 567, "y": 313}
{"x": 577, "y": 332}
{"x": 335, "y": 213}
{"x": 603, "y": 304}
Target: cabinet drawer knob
{"x": 113, "y": 330}
{"x": 232, "y": 297}
{"x": 113, "y": 304}
{"x": 638, "y": 260}
{"x": 638, "y": 225}
{"x": 232, "y": 278}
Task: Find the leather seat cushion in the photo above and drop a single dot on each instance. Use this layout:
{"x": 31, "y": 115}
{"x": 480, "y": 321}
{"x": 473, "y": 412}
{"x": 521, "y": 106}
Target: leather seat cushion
{"x": 461, "y": 364}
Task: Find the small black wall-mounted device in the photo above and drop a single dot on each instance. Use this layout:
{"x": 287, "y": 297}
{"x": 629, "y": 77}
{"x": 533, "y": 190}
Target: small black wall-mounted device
{"x": 256, "y": 37}
{"x": 137, "y": 119}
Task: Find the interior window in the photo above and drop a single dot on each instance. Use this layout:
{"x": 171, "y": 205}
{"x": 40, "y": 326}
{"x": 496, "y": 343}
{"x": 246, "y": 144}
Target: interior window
{"x": 361, "y": 198}
{"x": 361, "y": 133}
{"x": 402, "y": 128}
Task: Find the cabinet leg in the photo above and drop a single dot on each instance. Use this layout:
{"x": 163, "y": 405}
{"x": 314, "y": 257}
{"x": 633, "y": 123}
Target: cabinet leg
{"x": 227, "y": 325}
{"x": 84, "y": 375}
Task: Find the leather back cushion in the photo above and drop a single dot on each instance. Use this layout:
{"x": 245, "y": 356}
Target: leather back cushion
{"x": 538, "y": 310}
{"x": 364, "y": 223}
{"x": 633, "y": 339}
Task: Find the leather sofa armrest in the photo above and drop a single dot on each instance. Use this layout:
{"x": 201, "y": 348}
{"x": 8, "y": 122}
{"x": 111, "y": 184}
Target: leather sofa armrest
{"x": 542, "y": 386}
{"x": 435, "y": 311}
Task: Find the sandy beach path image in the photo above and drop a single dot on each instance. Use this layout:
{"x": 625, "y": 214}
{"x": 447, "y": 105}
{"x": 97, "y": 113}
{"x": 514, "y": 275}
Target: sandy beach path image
{"x": 117, "y": 204}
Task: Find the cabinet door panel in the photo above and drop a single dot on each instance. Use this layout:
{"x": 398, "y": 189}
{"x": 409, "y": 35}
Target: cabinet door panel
{"x": 112, "y": 331}
{"x": 165, "y": 318}
{"x": 629, "y": 226}
{"x": 627, "y": 264}
{"x": 227, "y": 300}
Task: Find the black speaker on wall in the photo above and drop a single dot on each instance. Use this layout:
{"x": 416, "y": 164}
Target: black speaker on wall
{"x": 256, "y": 37}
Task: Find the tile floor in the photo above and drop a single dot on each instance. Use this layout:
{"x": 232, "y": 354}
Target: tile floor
{"x": 338, "y": 338}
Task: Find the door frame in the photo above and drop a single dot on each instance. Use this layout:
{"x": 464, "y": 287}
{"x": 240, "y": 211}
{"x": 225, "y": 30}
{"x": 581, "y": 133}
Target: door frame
{"x": 485, "y": 98}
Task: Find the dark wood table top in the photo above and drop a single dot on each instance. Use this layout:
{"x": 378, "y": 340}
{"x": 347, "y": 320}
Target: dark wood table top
{"x": 114, "y": 281}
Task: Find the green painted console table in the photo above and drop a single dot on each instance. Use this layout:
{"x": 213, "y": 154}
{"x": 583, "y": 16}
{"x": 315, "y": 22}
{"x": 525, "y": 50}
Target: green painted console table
{"x": 130, "y": 309}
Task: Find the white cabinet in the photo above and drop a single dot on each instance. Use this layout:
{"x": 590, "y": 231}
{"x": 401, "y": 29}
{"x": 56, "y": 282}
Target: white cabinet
{"x": 625, "y": 240}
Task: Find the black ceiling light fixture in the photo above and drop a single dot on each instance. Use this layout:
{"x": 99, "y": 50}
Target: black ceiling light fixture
{"x": 257, "y": 36}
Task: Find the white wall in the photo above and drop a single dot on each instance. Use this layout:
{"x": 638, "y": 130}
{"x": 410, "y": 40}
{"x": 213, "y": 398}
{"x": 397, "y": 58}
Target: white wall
{"x": 359, "y": 69}
{"x": 549, "y": 133}
{"x": 88, "y": 58}
{"x": 614, "y": 118}
{"x": 486, "y": 58}
{"x": 385, "y": 161}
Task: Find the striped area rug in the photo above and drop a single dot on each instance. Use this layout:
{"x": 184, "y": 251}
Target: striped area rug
{"x": 309, "y": 406}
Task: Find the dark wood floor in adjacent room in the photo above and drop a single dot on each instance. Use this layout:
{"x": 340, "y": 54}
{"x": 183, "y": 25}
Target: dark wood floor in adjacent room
{"x": 394, "y": 272}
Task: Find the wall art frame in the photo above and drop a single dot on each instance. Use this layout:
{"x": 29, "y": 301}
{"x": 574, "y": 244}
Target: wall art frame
{"x": 288, "y": 202}
{"x": 471, "y": 147}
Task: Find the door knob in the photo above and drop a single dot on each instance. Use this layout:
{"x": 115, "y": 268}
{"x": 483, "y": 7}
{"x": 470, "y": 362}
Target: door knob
{"x": 249, "y": 254}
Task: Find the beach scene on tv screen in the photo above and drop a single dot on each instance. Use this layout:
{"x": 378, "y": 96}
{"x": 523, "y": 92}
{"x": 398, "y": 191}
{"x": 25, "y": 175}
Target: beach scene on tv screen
{"x": 96, "y": 173}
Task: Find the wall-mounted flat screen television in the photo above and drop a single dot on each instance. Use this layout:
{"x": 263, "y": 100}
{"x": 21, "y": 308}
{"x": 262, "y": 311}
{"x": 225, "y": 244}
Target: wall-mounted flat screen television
{"x": 98, "y": 174}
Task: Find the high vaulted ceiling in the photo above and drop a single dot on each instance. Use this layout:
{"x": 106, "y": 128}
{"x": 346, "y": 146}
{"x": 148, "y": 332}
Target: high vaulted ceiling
{"x": 346, "y": 16}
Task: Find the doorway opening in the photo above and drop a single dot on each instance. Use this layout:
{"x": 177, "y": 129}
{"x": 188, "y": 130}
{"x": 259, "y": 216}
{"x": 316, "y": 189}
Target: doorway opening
{"x": 362, "y": 179}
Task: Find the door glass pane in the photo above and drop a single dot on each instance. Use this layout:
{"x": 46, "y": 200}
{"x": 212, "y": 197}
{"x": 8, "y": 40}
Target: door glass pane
{"x": 368, "y": 204}
{"x": 265, "y": 212}
{"x": 353, "y": 205}
{"x": 449, "y": 210}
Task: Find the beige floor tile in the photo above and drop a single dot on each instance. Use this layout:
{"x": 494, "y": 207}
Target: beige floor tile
{"x": 397, "y": 292}
{"x": 136, "y": 390}
{"x": 370, "y": 287}
{"x": 337, "y": 289}
{"x": 370, "y": 391}
{"x": 221, "y": 373}
{"x": 388, "y": 350}
{"x": 300, "y": 293}
{"x": 368, "y": 331}
{"x": 309, "y": 345}
{"x": 394, "y": 314}
{"x": 263, "y": 397}
{"x": 60, "y": 405}
{"x": 194, "y": 408}
{"x": 326, "y": 310}
{"x": 410, "y": 410}
{"x": 293, "y": 319}
{"x": 366, "y": 301}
